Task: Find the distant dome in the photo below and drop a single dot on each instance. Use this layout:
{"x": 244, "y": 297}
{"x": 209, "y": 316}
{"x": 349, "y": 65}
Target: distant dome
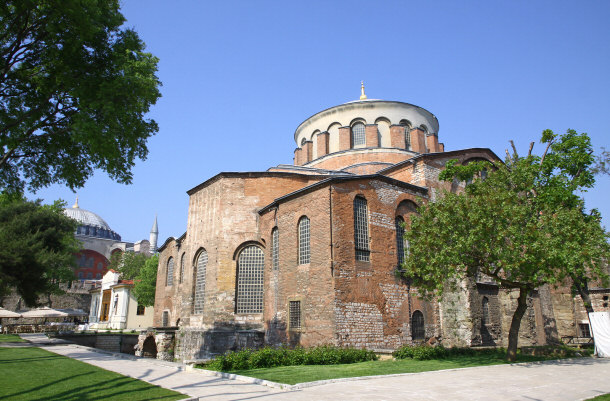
{"x": 90, "y": 224}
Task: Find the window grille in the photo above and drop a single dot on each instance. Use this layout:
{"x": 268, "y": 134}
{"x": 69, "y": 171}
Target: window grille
{"x": 407, "y": 127}
{"x": 418, "y": 331}
{"x": 294, "y": 311}
{"x": 182, "y": 268}
{"x": 250, "y": 266}
{"x": 170, "y": 272}
{"x": 584, "y": 330}
{"x": 400, "y": 240}
{"x": 275, "y": 249}
{"x": 202, "y": 263}
{"x": 485, "y": 315}
{"x": 361, "y": 230}
{"x": 140, "y": 309}
{"x": 165, "y": 319}
{"x": 304, "y": 251}
{"x": 358, "y": 135}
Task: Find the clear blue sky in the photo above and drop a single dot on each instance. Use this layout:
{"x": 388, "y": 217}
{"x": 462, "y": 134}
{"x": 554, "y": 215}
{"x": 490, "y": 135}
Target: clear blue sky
{"x": 240, "y": 76}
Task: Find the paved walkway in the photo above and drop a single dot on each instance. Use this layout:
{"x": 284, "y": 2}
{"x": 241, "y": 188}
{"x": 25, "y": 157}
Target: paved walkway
{"x": 570, "y": 379}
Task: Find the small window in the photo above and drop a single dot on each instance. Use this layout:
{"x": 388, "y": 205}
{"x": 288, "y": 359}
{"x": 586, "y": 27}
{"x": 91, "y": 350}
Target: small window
{"x": 358, "y": 135}
{"x": 89, "y": 275}
{"x": 100, "y": 266}
{"x": 81, "y": 275}
{"x": 361, "y": 229}
{"x": 294, "y": 311}
{"x": 275, "y": 249}
{"x": 584, "y": 330}
{"x": 170, "y": 272}
{"x": 202, "y": 263}
{"x": 165, "y": 319}
{"x": 140, "y": 310}
{"x": 182, "y": 269}
{"x": 485, "y": 313}
{"x": 418, "y": 331}
{"x": 304, "y": 250}
{"x": 250, "y": 268}
{"x": 98, "y": 276}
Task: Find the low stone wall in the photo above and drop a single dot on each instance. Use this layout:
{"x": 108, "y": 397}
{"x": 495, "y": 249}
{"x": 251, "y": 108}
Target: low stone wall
{"x": 118, "y": 342}
{"x": 157, "y": 343}
{"x": 193, "y": 344}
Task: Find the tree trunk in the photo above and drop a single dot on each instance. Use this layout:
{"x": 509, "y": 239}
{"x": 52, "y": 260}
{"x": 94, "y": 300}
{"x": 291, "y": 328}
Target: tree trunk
{"x": 513, "y": 333}
{"x": 583, "y": 290}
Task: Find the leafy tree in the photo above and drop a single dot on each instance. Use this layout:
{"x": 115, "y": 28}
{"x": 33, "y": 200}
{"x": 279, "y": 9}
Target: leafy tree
{"x": 142, "y": 269}
{"x": 74, "y": 89}
{"x": 146, "y": 282}
{"x": 523, "y": 225}
{"x": 37, "y": 248}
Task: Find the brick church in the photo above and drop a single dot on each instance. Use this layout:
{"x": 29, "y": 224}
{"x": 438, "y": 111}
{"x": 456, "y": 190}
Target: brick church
{"x": 307, "y": 254}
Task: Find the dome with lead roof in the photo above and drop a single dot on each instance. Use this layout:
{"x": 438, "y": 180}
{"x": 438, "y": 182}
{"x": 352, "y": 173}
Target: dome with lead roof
{"x": 90, "y": 224}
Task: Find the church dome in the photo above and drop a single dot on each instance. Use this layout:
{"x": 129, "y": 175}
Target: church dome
{"x": 90, "y": 224}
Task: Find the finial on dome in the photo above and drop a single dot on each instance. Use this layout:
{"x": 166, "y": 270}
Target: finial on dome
{"x": 75, "y": 206}
{"x": 362, "y": 95}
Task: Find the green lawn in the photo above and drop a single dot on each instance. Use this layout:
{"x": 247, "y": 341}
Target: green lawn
{"x": 11, "y": 338}
{"x": 35, "y": 374}
{"x": 605, "y": 397}
{"x": 307, "y": 373}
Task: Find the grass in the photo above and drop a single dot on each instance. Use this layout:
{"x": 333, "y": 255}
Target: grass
{"x": 307, "y": 373}
{"x": 11, "y": 338}
{"x": 35, "y": 374}
{"x": 605, "y": 397}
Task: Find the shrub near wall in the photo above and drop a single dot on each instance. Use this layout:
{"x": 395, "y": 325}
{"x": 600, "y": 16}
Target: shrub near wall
{"x": 271, "y": 357}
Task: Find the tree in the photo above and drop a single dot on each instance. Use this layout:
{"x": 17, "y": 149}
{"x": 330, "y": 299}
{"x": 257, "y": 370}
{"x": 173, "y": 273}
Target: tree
{"x": 37, "y": 248}
{"x": 523, "y": 226}
{"x": 74, "y": 89}
{"x": 142, "y": 269}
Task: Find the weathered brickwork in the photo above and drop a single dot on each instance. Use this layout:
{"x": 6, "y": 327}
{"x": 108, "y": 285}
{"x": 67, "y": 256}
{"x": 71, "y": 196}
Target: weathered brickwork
{"x": 335, "y": 294}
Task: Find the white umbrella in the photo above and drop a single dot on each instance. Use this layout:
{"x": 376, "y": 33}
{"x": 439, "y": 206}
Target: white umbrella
{"x": 7, "y": 313}
{"x": 74, "y": 312}
{"x": 44, "y": 312}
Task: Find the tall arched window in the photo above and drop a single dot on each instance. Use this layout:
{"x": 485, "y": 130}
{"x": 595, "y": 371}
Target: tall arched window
{"x": 361, "y": 229}
{"x": 485, "y": 312}
{"x": 418, "y": 331}
{"x": 182, "y": 269}
{"x": 275, "y": 248}
{"x": 250, "y": 267}
{"x": 304, "y": 251}
{"x": 169, "y": 280}
{"x": 358, "y": 135}
{"x": 407, "y": 127}
{"x": 200, "y": 269}
{"x": 400, "y": 240}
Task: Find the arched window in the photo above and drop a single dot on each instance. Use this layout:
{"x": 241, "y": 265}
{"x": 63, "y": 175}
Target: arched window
{"x": 358, "y": 135}
{"x": 100, "y": 266}
{"x": 182, "y": 269}
{"x": 275, "y": 249}
{"x": 303, "y": 142}
{"x": 304, "y": 251}
{"x": 199, "y": 298}
{"x": 485, "y": 312}
{"x": 89, "y": 275}
{"x": 169, "y": 280}
{"x": 165, "y": 319}
{"x": 418, "y": 331}
{"x": 407, "y": 127}
{"x": 361, "y": 229}
{"x": 250, "y": 267}
{"x": 400, "y": 240}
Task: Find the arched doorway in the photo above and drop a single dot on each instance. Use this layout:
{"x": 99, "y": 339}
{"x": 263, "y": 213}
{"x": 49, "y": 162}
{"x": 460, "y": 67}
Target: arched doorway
{"x": 149, "y": 348}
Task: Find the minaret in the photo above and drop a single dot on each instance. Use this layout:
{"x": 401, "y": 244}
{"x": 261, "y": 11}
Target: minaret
{"x": 154, "y": 234}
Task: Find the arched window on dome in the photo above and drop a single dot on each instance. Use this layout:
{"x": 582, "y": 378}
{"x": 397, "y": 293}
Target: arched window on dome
{"x": 361, "y": 229}
{"x": 200, "y": 272}
{"x": 358, "y": 135}
{"x": 418, "y": 330}
{"x": 303, "y": 235}
{"x": 250, "y": 268}
{"x": 169, "y": 280}
{"x": 406, "y": 124}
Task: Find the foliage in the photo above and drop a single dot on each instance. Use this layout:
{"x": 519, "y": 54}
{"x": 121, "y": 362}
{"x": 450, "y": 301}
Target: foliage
{"x": 74, "y": 89}
{"x": 145, "y": 283}
{"x": 270, "y": 357}
{"x": 36, "y": 374}
{"x": 129, "y": 264}
{"x": 523, "y": 226}
{"x": 37, "y": 247}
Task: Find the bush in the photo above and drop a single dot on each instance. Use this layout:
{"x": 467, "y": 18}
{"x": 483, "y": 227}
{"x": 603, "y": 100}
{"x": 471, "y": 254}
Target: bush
{"x": 271, "y": 357}
{"x": 424, "y": 352}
